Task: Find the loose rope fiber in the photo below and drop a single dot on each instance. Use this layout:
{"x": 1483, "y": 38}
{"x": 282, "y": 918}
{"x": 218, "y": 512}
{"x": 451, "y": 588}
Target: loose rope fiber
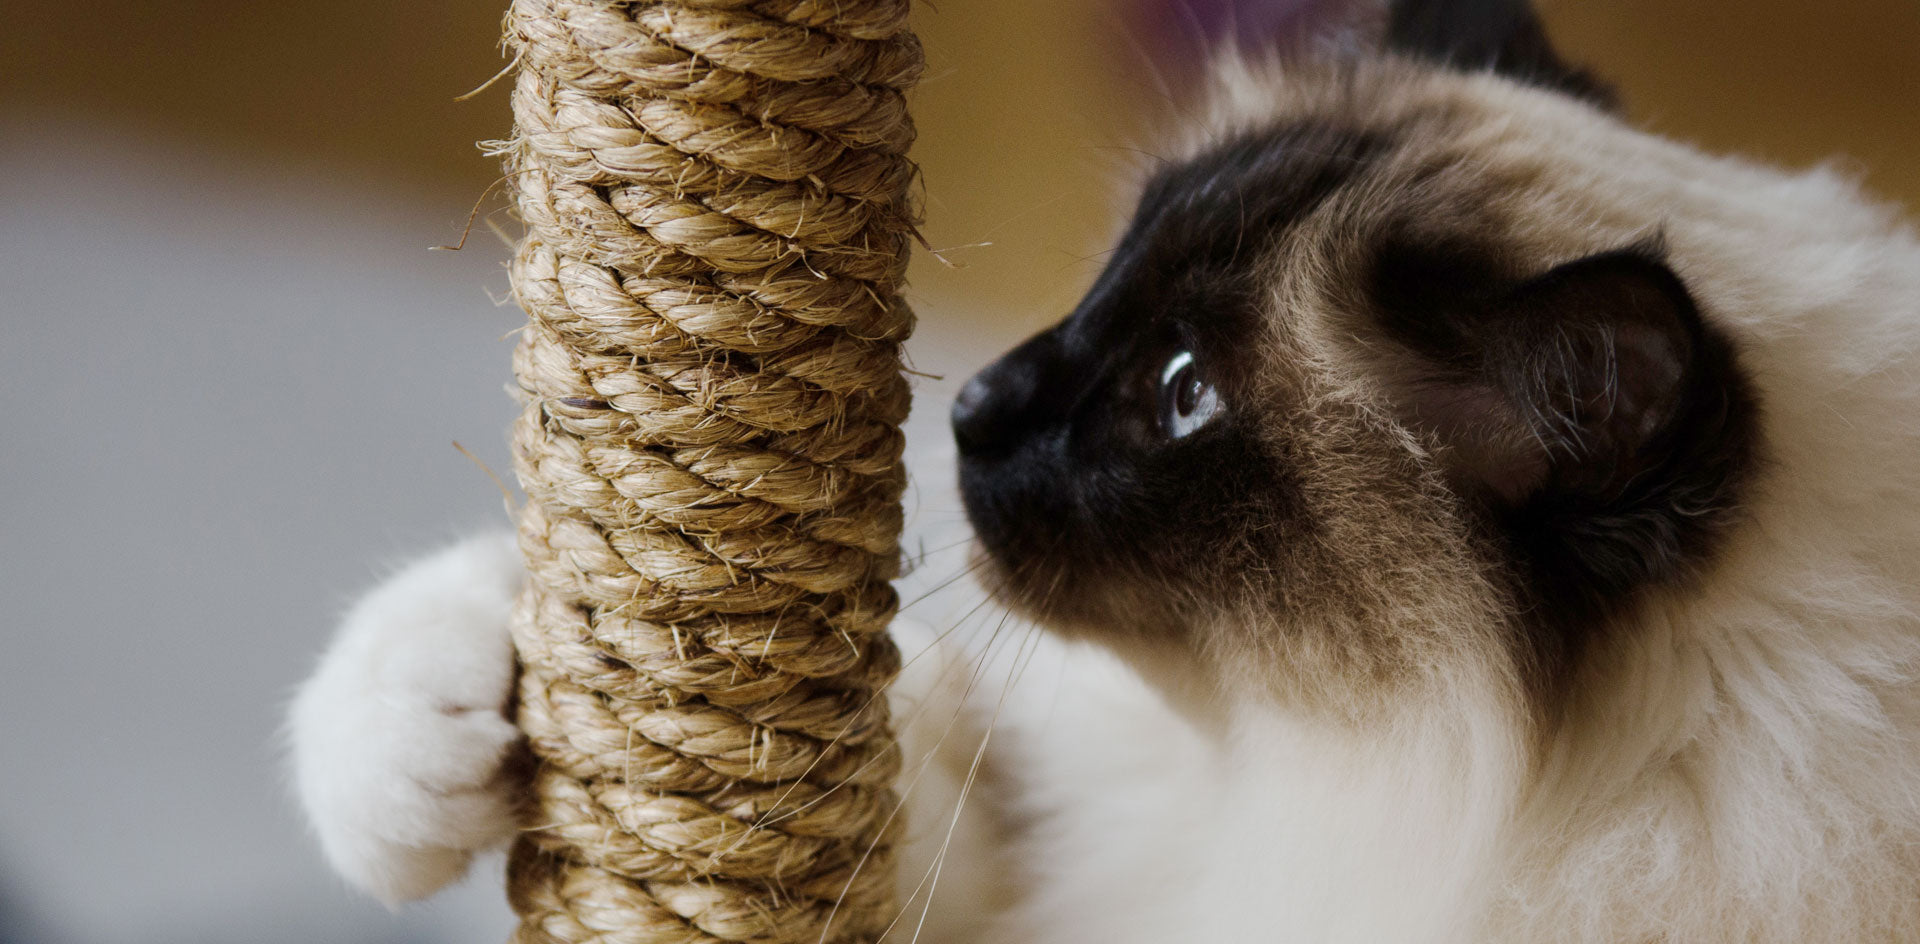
{"x": 715, "y": 196}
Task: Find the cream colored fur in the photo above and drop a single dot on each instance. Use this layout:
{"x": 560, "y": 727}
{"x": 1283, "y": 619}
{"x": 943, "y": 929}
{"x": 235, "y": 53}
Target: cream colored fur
{"x": 1743, "y": 765}
{"x": 400, "y": 738}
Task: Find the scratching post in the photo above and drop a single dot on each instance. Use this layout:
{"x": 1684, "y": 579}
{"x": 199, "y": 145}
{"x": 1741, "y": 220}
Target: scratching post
{"x": 715, "y": 198}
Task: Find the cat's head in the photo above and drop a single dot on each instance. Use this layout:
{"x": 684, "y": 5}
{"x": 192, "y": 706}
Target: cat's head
{"x": 1381, "y": 375}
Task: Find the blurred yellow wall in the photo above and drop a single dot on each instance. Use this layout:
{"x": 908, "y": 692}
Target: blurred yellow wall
{"x": 1793, "y": 81}
{"x": 1027, "y": 115}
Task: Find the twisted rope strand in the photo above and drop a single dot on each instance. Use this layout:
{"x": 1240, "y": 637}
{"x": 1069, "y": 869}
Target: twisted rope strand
{"x": 715, "y": 195}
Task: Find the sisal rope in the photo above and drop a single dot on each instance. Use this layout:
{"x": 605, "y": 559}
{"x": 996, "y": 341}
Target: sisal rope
{"x": 715, "y": 196}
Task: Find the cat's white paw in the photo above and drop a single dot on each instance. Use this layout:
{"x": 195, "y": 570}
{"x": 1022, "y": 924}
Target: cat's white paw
{"x": 402, "y": 751}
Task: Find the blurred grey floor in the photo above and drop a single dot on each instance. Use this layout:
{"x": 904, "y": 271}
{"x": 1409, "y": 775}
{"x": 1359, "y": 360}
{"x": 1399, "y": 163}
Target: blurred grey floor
{"x": 229, "y": 396}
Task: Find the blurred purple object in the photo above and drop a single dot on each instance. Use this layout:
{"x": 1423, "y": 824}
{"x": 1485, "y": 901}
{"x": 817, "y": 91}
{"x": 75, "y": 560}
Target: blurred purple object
{"x": 1175, "y": 30}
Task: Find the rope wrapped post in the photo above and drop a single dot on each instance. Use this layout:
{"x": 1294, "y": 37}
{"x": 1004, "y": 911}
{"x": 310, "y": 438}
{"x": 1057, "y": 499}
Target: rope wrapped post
{"x": 715, "y": 198}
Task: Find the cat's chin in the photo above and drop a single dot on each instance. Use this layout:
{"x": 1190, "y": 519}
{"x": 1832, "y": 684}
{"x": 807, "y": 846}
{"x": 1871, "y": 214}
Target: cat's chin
{"x": 1162, "y": 651}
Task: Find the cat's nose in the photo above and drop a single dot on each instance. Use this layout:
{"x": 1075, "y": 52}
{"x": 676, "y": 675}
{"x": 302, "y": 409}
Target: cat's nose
{"x": 996, "y": 407}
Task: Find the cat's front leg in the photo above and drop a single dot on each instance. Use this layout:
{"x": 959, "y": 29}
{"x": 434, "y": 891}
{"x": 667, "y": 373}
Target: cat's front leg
{"x": 403, "y": 752}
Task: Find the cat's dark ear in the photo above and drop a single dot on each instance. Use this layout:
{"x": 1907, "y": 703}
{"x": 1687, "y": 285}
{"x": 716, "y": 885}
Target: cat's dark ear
{"x": 1504, "y": 36}
{"x": 1604, "y": 424}
{"x": 1597, "y": 357}
{"x": 1581, "y": 381}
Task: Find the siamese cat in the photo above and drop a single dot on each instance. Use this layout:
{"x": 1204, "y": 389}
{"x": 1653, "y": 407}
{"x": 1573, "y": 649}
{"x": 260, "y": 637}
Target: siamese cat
{"x": 1456, "y": 516}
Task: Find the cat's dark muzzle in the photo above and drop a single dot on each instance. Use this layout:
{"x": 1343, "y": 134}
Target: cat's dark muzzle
{"x": 1005, "y": 403}
{"x": 1006, "y": 423}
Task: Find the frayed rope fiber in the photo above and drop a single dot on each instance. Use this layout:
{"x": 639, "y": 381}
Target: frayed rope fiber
{"x": 715, "y": 198}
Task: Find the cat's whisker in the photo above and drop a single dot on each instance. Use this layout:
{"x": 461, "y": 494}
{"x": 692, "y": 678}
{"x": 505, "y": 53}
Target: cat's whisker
{"x": 909, "y": 720}
{"x": 1129, "y": 34}
{"x": 970, "y": 569}
{"x": 919, "y": 557}
{"x": 1022, "y": 656}
{"x": 977, "y": 669}
{"x": 981, "y": 664}
{"x": 879, "y": 692}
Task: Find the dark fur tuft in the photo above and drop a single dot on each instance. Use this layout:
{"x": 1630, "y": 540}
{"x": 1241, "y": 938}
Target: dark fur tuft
{"x": 1503, "y": 35}
{"x": 1601, "y": 428}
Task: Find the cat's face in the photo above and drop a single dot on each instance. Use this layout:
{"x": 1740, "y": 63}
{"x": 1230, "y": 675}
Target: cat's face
{"x": 1359, "y": 393}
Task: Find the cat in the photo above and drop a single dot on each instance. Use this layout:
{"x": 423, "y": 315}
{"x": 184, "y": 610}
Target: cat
{"x": 1456, "y": 514}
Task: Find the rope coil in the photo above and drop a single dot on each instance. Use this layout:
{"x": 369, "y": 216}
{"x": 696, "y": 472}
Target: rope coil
{"x": 715, "y": 196}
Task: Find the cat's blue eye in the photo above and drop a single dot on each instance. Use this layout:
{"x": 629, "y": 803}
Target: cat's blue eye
{"x": 1187, "y": 401}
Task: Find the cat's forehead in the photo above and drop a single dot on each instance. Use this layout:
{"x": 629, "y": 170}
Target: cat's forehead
{"x": 1272, "y": 216}
{"x": 1276, "y": 147}
{"x": 1414, "y": 115}
{"x": 1215, "y": 223}
{"x": 1202, "y": 236}
{"x": 1255, "y": 181}
{"x": 1302, "y": 170}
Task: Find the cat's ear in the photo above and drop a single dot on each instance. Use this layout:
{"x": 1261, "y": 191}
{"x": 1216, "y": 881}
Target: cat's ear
{"x": 1503, "y": 36}
{"x": 1592, "y": 410}
{"x": 1580, "y": 381}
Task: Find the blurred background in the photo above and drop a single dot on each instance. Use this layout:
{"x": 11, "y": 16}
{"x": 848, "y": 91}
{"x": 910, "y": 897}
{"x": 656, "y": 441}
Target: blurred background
{"x": 231, "y": 369}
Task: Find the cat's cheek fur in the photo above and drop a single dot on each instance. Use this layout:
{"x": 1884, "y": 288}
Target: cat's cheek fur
{"x": 402, "y": 751}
